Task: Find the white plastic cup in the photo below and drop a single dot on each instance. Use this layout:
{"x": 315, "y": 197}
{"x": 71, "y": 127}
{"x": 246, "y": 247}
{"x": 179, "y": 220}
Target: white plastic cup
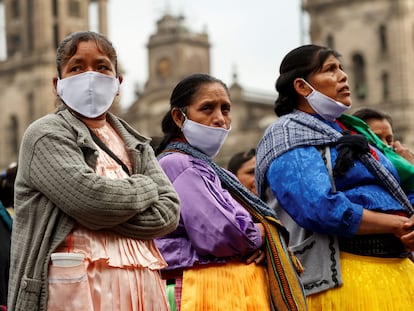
{"x": 67, "y": 259}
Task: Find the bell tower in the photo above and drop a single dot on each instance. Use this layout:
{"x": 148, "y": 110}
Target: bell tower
{"x": 173, "y": 53}
{"x": 33, "y": 30}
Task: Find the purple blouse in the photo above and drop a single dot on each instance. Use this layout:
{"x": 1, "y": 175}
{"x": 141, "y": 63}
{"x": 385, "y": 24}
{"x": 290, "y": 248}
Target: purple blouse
{"x": 213, "y": 226}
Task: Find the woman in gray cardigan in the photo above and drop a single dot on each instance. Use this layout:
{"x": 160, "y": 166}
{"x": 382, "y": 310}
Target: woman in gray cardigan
{"x": 89, "y": 184}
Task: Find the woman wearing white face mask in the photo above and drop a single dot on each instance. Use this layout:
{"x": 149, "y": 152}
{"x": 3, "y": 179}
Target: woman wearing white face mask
{"x": 350, "y": 222}
{"x": 90, "y": 187}
{"x": 215, "y": 256}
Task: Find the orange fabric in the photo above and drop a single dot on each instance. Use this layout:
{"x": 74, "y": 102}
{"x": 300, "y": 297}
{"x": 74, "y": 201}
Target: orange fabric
{"x": 231, "y": 286}
{"x": 286, "y": 291}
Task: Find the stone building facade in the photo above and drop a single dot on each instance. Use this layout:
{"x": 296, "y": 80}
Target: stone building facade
{"x": 35, "y": 27}
{"x": 375, "y": 37}
{"x": 376, "y": 40}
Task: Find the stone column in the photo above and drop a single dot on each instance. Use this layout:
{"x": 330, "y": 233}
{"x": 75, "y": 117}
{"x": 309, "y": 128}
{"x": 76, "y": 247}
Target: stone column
{"x": 103, "y": 16}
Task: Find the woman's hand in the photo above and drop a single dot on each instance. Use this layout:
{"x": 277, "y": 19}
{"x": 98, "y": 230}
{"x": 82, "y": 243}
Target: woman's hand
{"x": 403, "y": 226}
{"x": 408, "y": 238}
{"x": 258, "y": 256}
{"x": 400, "y": 226}
{"x": 403, "y": 151}
{"x": 373, "y": 222}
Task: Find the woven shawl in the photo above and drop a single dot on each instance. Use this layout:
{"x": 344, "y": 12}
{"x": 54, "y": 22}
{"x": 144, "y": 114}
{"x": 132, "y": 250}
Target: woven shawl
{"x": 300, "y": 129}
{"x": 286, "y": 291}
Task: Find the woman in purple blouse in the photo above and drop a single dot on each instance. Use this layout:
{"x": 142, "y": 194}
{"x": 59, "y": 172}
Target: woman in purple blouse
{"x": 216, "y": 255}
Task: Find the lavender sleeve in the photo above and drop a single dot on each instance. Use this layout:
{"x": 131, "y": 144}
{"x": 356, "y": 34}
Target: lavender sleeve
{"x": 212, "y": 223}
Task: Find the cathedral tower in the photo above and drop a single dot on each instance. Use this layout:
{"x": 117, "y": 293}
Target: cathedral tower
{"x": 173, "y": 53}
{"x": 376, "y": 40}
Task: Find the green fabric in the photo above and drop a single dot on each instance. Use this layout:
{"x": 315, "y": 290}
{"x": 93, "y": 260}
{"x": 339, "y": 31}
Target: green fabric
{"x": 171, "y": 297}
{"x": 404, "y": 168}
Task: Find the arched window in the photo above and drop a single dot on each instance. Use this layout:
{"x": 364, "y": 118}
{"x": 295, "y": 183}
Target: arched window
{"x": 330, "y": 41}
{"x": 385, "y": 85}
{"x": 15, "y": 44}
{"x": 74, "y": 8}
{"x": 31, "y": 106}
{"x": 56, "y": 35}
{"x": 15, "y": 9}
{"x": 383, "y": 39}
{"x": 358, "y": 67}
{"x": 14, "y": 135}
{"x": 30, "y": 26}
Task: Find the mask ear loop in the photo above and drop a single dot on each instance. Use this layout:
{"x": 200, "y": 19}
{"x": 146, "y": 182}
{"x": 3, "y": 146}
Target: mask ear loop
{"x": 182, "y": 111}
{"x": 307, "y": 83}
{"x": 185, "y": 116}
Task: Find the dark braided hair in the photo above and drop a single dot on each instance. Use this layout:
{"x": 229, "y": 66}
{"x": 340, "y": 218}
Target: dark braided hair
{"x": 237, "y": 160}
{"x": 298, "y": 63}
{"x": 372, "y": 114}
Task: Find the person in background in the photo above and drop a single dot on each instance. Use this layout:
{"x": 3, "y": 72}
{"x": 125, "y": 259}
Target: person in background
{"x": 88, "y": 184}
{"x": 242, "y": 165}
{"x": 350, "y": 223}
{"x": 405, "y": 169}
{"x": 216, "y": 255}
{"x": 6, "y": 212}
{"x": 381, "y": 124}
{"x": 5, "y": 238}
{"x": 7, "y": 180}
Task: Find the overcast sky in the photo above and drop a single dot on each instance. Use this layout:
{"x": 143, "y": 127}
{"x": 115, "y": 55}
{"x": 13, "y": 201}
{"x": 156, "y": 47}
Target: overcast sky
{"x": 247, "y": 37}
{"x": 251, "y": 36}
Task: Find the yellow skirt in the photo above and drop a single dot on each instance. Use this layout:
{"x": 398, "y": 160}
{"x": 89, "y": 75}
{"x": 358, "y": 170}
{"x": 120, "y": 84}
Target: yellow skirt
{"x": 369, "y": 284}
{"x": 231, "y": 286}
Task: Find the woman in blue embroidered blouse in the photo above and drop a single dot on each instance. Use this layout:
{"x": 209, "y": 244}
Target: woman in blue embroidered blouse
{"x": 349, "y": 220}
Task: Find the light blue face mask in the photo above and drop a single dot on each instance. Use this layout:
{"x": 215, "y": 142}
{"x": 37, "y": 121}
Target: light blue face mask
{"x": 326, "y": 107}
{"x": 208, "y": 139}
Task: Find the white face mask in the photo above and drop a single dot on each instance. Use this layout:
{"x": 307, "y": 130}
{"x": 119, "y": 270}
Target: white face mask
{"x": 208, "y": 139}
{"x": 90, "y": 93}
{"x": 326, "y": 107}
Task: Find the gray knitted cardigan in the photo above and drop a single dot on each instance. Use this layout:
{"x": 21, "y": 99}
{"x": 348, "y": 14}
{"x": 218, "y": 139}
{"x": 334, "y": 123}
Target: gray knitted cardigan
{"x": 56, "y": 188}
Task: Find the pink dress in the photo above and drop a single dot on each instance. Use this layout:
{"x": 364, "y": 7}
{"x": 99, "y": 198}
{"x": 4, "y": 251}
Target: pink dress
{"x": 118, "y": 273}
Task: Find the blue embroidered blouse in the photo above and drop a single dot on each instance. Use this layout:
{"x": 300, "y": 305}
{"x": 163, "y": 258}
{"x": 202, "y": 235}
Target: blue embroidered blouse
{"x": 300, "y": 181}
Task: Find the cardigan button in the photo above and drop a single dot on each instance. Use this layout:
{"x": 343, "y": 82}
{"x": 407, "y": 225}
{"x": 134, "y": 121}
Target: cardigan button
{"x": 24, "y": 284}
